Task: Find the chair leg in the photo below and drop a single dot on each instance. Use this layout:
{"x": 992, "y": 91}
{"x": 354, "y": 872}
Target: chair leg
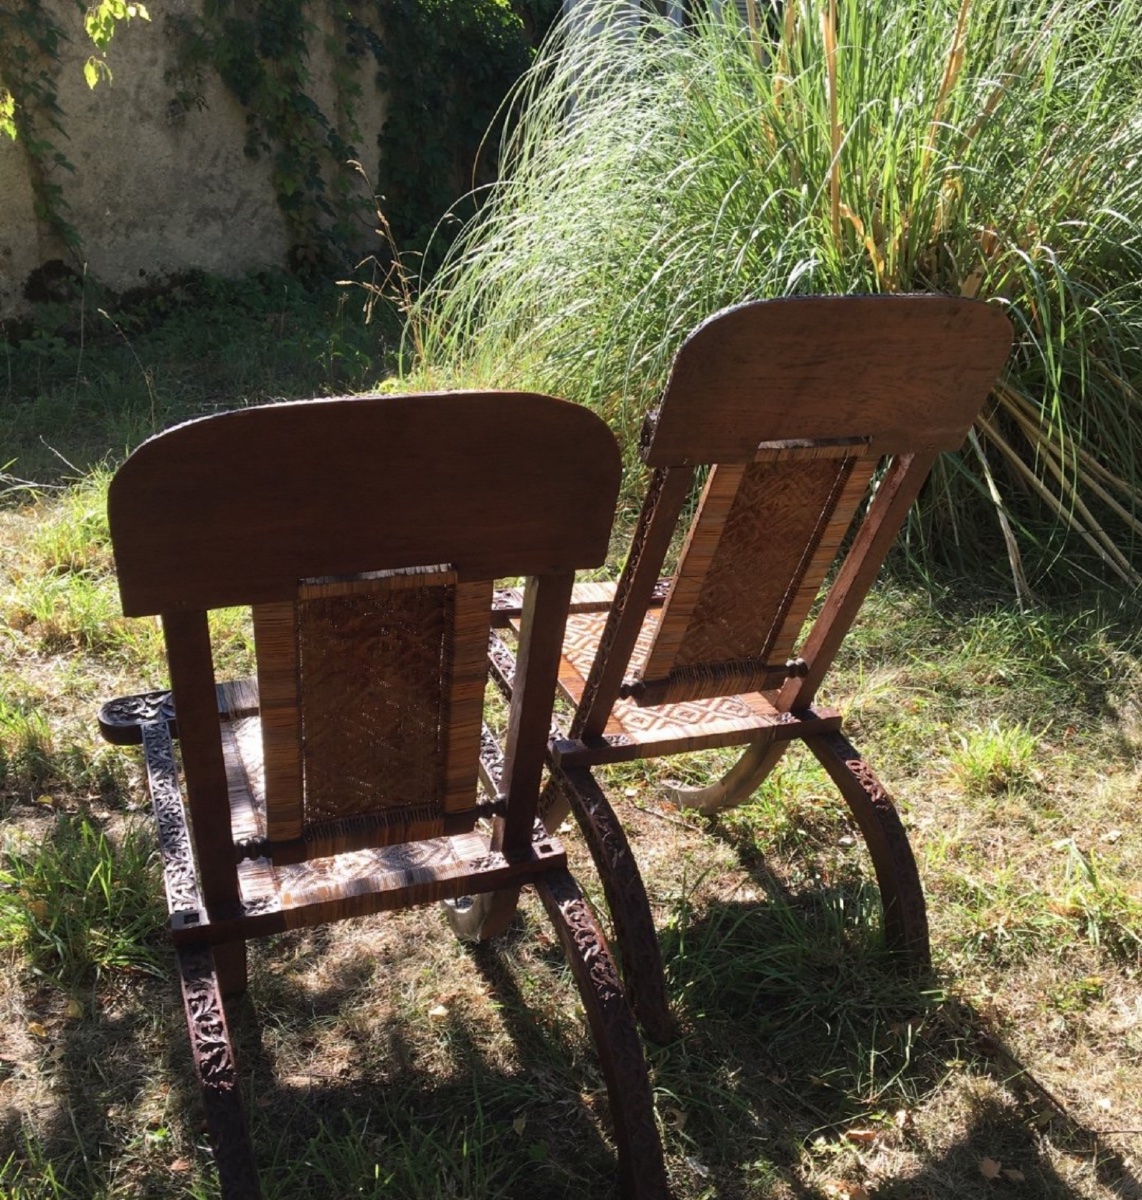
{"x": 230, "y": 967}
{"x": 735, "y": 786}
{"x": 642, "y": 1172}
{"x": 639, "y": 951}
{"x": 482, "y": 916}
{"x": 905, "y": 914}
{"x": 217, "y": 1075}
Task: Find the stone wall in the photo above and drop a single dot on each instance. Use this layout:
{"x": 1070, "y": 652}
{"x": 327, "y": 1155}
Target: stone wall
{"x": 157, "y": 188}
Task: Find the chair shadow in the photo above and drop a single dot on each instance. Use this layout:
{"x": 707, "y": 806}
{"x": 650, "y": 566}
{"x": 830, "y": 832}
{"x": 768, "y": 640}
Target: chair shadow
{"x": 507, "y": 1108}
{"x": 801, "y": 1036}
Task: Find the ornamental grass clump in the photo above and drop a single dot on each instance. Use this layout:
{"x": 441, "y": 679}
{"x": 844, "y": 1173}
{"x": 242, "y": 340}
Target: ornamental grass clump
{"x": 984, "y": 148}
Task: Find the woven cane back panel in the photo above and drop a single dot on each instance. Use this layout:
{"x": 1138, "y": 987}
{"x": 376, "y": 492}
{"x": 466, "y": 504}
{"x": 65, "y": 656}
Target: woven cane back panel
{"x": 759, "y": 544}
{"x": 371, "y": 706}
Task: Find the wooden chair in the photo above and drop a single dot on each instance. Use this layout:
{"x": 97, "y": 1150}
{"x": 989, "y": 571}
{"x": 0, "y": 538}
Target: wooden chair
{"x": 819, "y": 420}
{"x": 366, "y": 535}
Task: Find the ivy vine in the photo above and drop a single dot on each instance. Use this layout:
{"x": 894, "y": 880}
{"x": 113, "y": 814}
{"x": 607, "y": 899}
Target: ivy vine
{"x": 445, "y": 66}
{"x": 29, "y": 106}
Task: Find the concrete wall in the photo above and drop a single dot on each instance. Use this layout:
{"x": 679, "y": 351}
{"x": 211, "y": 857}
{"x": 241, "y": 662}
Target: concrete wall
{"x": 156, "y": 190}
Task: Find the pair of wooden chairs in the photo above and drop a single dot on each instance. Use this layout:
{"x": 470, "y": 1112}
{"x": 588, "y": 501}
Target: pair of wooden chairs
{"x": 367, "y": 535}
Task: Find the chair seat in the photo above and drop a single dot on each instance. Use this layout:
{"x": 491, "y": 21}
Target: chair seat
{"x": 635, "y": 731}
{"x": 354, "y": 881}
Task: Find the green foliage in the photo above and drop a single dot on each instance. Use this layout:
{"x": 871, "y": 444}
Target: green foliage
{"x": 76, "y": 904}
{"x": 100, "y": 23}
{"x": 986, "y": 148}
{"x": 29, "y": 105}
{"x": 447, "y": 66}
{"x": 996, "y": 759}
{"x": 260, "y": 51}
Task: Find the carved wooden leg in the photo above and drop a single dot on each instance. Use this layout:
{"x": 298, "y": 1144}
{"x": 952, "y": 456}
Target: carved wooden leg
{"x": 217, "y": 1075}
{"x": 637, "y": 938}
{"x": 736, "y": 785}
{"x": 905, "y": 914}
{"x": 230, "y": 966}
{"x": 477, "y": 918}
{"x": 642, "y": 1172}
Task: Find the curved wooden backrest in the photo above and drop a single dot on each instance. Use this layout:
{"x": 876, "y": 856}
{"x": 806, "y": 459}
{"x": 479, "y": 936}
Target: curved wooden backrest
{"x": 906, "y": 372}
{"x": 236, "y": 508}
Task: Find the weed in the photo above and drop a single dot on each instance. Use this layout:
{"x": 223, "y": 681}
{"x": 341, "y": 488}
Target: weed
{"x": 74, "y": 903}
{"x": 995, "y": 759}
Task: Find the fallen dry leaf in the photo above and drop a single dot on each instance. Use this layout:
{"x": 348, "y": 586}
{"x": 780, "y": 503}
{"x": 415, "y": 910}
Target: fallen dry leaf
{"x": 181, "y": 1164}
{"x": 861, "y": 1136}
{"x": 37, "y": 1030}
{"x": 989, "y": 1168}
{"x": 74, "y": 1010}
{"x": 1014, "y": 1174}
{"x": 438, "y": 1012}
{"x": 846, "y": 1191}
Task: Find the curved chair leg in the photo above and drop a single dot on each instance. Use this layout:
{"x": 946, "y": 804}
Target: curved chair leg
{"x": 905, "y": 914}
{"x": 217, "y": 1075}
{"x": 482, "y": 916}
{"x": 735, "y": 786}
{"x": 626, "y": 899}
{"x": 642, "y": 1172}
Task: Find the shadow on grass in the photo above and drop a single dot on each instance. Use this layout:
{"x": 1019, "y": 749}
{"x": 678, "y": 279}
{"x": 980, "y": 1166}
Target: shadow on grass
{"x": 806, "y": 1056}
{"x": 796, "y": 1036}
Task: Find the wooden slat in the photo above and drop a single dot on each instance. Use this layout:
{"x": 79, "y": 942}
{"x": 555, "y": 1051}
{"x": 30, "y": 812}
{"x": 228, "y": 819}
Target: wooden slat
{"x": 743, "y": 573}
{"x": 533, "y": 698}
{"x": 810, "y": 449}
{"x": 372, "y": 581}
{"x": 507, "y": 603}
{"x": 795, "y": 609}
{"x": 276, "y": 898}
{"x": 631, "y": 745}
{"x": 898, "y": 489}
{"x": 242, "y": 752}
{"x": 208, "y": 795}
{"x": 702, "y": 542}
{"x": 468, "y": 676}
{"x": 275, "y": 640}
{"x": 663, "y": 504}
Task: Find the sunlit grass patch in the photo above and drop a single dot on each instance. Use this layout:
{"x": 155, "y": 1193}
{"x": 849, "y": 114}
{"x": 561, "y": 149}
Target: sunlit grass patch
{"x": 995, "y": 759}
{"x": 74, "y": 903}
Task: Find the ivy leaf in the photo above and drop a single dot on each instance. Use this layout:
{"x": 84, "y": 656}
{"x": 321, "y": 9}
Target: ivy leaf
{"x": 96, "y": 69}
{"x": 7, "y": 113}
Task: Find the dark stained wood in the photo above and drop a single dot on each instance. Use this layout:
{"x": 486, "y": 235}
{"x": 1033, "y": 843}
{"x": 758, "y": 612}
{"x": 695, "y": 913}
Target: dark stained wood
{"x": 235, "y": 509}
{"x": 187, "y": 637}
{"x": 533, "y": 696}
{"x": 279, "y": 710}
{"x": 217, "y": 1074}
{"x": 794, "y": 405}
{"x": 664, "y": 500}
{"x": 343, "y": 781}
{"x": 762, "y": 728}
{"x": 894, "y": 497}
{"x": 578, "y": 791}
{"x": 907, "y": 372}
{"x": 905, "y": 918}
{"x": 642, "y": 1172}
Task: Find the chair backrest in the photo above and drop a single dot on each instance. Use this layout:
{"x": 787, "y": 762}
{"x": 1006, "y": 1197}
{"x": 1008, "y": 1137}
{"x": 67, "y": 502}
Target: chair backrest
{"x": 802, "y": 409}
{"x": 366, "y": 534}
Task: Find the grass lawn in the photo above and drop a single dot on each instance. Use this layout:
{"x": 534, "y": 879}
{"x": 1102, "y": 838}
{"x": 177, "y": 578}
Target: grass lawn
{"x": 387, "y": 1060}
